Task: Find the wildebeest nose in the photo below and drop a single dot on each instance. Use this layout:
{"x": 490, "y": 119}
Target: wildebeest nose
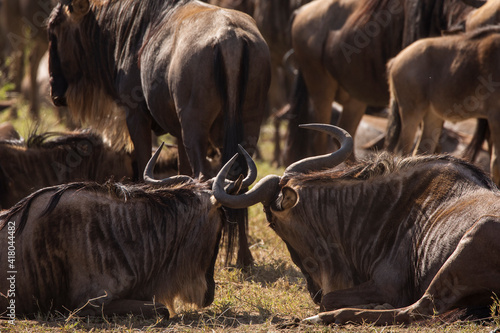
{"x": 59, "y": 101}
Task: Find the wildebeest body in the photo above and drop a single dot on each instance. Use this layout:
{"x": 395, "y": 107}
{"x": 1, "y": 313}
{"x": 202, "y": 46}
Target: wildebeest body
{"x": 419, "y": 234}
{"x": 55, "y": 158}
{"x": 349, "y": 61}
{"x": 452, "y": 78}
{"x": 194, "y": 70}
{"x": 82, "y": 241}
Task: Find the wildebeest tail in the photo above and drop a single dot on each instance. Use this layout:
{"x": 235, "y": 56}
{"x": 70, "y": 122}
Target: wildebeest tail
{"x": 480, "y": 134}
{"x": 231, "y": 81}
{"x": 297, "y": 138}
{"x": 393, "y": 127}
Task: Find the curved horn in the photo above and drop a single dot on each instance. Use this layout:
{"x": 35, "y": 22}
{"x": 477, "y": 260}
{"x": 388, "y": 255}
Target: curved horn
{"x": 251, "y": 174}
{"x": 148, "y": 172}
{"x": 264, "y": 191}
{"x": 328, "y": 160}
{"x": 474, "y": 3}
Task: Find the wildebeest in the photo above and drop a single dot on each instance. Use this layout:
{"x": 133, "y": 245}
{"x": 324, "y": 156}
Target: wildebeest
{"x": 54, "y": 158}
{"x": 196, "y": 71}
{"x": 445, "y": 78}
{"x": 417, "y": 233}
{"x": 111, "y": 248}
{"x": 23, "y": 25}
{"x": 346, "y": 61}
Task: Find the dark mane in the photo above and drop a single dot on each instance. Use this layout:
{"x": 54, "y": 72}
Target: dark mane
{"x": 50, "y": 140}
{"x": 162, "y": 199}
{"x": 385, "y": 164}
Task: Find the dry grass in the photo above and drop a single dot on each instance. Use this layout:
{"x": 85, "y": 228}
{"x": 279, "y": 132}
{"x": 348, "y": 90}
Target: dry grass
{"x": 269, "y": 297}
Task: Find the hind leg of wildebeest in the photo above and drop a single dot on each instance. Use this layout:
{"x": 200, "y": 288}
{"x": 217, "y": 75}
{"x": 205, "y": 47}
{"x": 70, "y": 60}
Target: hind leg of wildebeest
{"x": 123, "y": 307}
{"x": 353, "y": 111}
{"x": 494, "y": 125}
{"x": 469, "y": 277}
{"x": 431, "y": 133}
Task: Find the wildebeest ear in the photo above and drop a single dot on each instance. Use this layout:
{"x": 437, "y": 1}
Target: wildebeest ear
{"x": 79, "y": 8}
{"x": 289, "y": 198}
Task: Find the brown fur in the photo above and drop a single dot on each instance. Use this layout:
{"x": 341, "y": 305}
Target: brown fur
{"x": 137, "y": 243}
{"x": 439, "y": 68}
{"x": 196, "y": 71}
{"x": 419, "y": 234}
{"x": 347, "y": 62}
{"x": 55, "y": 158}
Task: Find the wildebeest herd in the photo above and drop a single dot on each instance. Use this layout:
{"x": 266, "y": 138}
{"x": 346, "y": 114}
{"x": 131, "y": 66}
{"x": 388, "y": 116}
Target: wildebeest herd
{"x": 87, "y": 228}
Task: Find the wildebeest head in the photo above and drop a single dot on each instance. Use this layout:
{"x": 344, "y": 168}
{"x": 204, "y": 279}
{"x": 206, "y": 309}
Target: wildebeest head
{"x": 66, "y": 13}
{"x": 278, "y": 197}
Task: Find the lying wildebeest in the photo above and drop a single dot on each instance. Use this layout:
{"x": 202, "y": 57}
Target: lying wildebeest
{"x": 196, "y": 71}
{"x": 445, "y": 78}
{"x": 419, "y": 233}
{"x": 54, "y": 158}
{"x": 111, "y": 248}
{"x": 341, "y": 49}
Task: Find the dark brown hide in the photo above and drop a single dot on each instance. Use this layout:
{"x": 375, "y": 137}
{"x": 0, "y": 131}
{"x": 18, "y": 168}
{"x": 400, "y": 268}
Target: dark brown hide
{"x": 136, "y": 245}
{"x": 27, "y": 167}
{"x": 347, "y": 63}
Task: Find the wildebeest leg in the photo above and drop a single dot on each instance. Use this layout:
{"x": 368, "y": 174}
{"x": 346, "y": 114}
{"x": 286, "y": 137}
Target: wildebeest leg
{"x": 431, "y": 132}
{"x": 139, "y": 127}
{"x": 494, "y": 125}
{"x": 351, "y": 116}
{"x": 122, "y": 307}
{"x": 184, "y": 166}
{"x": 411, "y": 117}
{"x": 461, "y": 281}
{"x": 36, "y": 55}
{"x": 366, "y": 293}
{"x": 322, "y": 90}
{"x": 195, "y": 139}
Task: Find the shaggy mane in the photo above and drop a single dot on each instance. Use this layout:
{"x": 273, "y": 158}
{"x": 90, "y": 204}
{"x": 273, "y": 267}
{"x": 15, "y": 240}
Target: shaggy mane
{"x": 162, "y": 198}
{"x": 385, "y": 164}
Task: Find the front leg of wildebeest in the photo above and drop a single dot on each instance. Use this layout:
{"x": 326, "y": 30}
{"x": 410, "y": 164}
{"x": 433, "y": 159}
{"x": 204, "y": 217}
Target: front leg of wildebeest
{"x": 123, "y": 307}
{"x": 469, "y": 277}
{"x": 358, "y": 296}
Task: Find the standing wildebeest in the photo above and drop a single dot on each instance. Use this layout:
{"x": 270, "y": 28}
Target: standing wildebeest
{"x": 194, "y": 70}
{"x": 445, "y": 78}
{"x": 420, "y": 234}
{"x": 115, "y": 246}
{"x": 345, "y": 58}
{"x": 23, "y": 26}
{"x": 40, "y": 162}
